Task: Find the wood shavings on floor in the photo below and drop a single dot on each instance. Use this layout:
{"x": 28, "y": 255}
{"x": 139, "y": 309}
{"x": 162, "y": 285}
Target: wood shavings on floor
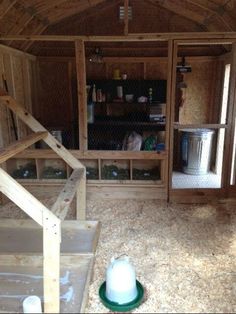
{"x": 184, "y": 255}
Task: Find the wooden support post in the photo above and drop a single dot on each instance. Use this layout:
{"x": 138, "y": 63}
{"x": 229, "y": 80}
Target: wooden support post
{"x": 81, "y": 198}
{"x": 51, "y": 237}
{"x": 229, "y": 135}
{"x": 51, "y": 264}
{"x": 170, "y": 109}
{"x": 82, "y": 96}
{"x": 19, "y": 146}
{"x": 126, "y": 17}
{"x": 29, "y": 120}
{"x": 62, "y": 204}
{"x": 22, "y": 198}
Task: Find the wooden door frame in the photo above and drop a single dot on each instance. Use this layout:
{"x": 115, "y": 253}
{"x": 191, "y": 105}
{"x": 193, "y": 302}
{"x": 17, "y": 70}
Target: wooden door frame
{"x": 202, "y": 195}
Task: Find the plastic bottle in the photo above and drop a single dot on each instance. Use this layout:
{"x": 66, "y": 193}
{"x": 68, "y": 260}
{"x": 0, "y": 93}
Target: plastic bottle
{"x": 94, "y": 94}
{"x": 150, "y": 95}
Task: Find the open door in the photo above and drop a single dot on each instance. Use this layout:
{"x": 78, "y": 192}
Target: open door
{"x": 201, "y": 131}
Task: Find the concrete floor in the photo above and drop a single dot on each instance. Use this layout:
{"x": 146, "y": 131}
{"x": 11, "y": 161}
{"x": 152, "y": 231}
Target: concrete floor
{"x": 181, "y": 180}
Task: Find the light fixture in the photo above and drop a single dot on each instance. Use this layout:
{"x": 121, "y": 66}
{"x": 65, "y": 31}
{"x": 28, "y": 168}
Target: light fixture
{"x": 96, "y": 56}
{"x": 182, "y": 67}
{"x": 122, "y": 13}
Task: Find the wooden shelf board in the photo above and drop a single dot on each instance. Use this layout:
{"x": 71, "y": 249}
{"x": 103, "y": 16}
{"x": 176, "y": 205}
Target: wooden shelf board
{"x": 24, "y": 236}
{"x": 94, "y": 154}
{"x": 75, "y": 275}
{"x": 125, "y": 123}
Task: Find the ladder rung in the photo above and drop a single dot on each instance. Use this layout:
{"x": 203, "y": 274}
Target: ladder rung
{"x": 67, "y": 194}
{"x": 20, "y": 145}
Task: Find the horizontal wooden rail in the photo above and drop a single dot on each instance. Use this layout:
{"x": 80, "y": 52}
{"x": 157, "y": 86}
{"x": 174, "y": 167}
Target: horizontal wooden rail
{"x": 34, "y": 125}
{"x": 20, "y": 145}
{"x": 22, "y": 198}
{"x": 94, "y": 154}
{"x": 200, "y": 126}
{"x": 225, "y": 36}
{"x": 62, "y": 204}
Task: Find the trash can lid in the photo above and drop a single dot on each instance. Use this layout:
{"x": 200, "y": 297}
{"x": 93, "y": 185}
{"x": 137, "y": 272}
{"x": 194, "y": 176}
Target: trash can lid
{"x": 197, "y": 131}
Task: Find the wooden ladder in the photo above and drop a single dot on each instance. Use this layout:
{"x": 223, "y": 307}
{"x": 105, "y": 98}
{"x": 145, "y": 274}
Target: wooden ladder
{"x": 50, "y": 220}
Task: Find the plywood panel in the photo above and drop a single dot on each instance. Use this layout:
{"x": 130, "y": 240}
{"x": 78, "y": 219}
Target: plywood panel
{"x": 4, "y": 134}
{"x": 14, "y": 66}
{"x": 95, "y": 71}
{"x": 156, "y": 71}
{"x": 54, "y": 94}
{"x": 133, "y": 70}
{"x": 18, "y": 89}
{"x": 198, "y": 94}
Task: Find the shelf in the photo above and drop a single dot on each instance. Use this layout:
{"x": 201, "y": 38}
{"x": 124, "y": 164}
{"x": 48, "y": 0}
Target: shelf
{"x": 136, "y": 171}
{"x": 124, "y": 123}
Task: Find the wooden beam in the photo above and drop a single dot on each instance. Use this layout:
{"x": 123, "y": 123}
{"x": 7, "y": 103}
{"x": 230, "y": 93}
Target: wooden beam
{"x": 22, "y": 198}
{"x": 62, "y": 204}
{"x": 191, "y": 11}
{"x": 27, "y": 15}
{"x": 169, "y": 108}
{"x": 126, "y": 17}
{"x": 93, "y": 154}
{"x": 51, "y": 237}
{"x": 82, "y": 96}
{"x": 229, "y": 136}
{"x": 5, "y": 6}
{"x": 172, "y": 114}
{"x": 69, "y": 8}
{"x": 215, "y": 11}
{"x": 84, "y": 15}
{"x": 87, "y": 12}
{"x": 226, "y": 37}
{"x": 29, "y": 120}
{"x": 20, "y": 145}
{"x": 81, "y": 198}
{"x": 200, "y": 126}
{"x": 51, "y": 266}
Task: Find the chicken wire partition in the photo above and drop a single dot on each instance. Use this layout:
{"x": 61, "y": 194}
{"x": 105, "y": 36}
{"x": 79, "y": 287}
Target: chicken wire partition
{"x": 138, "y": 113}
{"x": 126, "y": 114}
{"x": 56, "y": 91}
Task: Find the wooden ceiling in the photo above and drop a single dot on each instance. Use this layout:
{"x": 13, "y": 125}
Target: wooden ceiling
{"x": 100, "y": 17}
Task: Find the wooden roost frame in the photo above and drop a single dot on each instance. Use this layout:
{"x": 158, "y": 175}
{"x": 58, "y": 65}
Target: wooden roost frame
{"x": 50, "y": 220}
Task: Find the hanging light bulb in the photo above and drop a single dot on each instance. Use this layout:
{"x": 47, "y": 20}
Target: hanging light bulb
{"x": 96, "y": 57}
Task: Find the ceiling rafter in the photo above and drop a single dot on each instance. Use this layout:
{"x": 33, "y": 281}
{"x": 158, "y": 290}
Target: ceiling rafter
{"x": 5, "y": 6}
{"x": 31, "y": 12}
{"x": 179, "y": 10}
{"x": 211, "y": 13}
{"x": 83, "y": 14}
{"x": 215, "y": 9}
{"x": 70, "y": 7}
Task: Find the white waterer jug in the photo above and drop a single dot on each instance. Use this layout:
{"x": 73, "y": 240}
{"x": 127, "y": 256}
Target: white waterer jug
{"x": 121, "y": 281}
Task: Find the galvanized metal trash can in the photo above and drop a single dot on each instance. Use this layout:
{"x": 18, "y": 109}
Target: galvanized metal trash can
{"x": 196, "y": 150}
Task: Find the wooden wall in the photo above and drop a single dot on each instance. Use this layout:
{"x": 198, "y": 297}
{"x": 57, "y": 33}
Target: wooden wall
{"x": 135, "y": 68}
{"x": 56, "y": 77}
{"x": 56, "y": 85}
{"x": 19, "y": 71}
{"x": 202, "y": 97}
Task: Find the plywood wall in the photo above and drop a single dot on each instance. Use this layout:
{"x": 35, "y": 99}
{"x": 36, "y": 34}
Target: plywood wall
{"x": 17, "y": 67}
{"x": 54, "y": 83}
{"x": 134, "y": 70}
{"x": 202, "y": 97}
{"x": 56, "y": 100}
